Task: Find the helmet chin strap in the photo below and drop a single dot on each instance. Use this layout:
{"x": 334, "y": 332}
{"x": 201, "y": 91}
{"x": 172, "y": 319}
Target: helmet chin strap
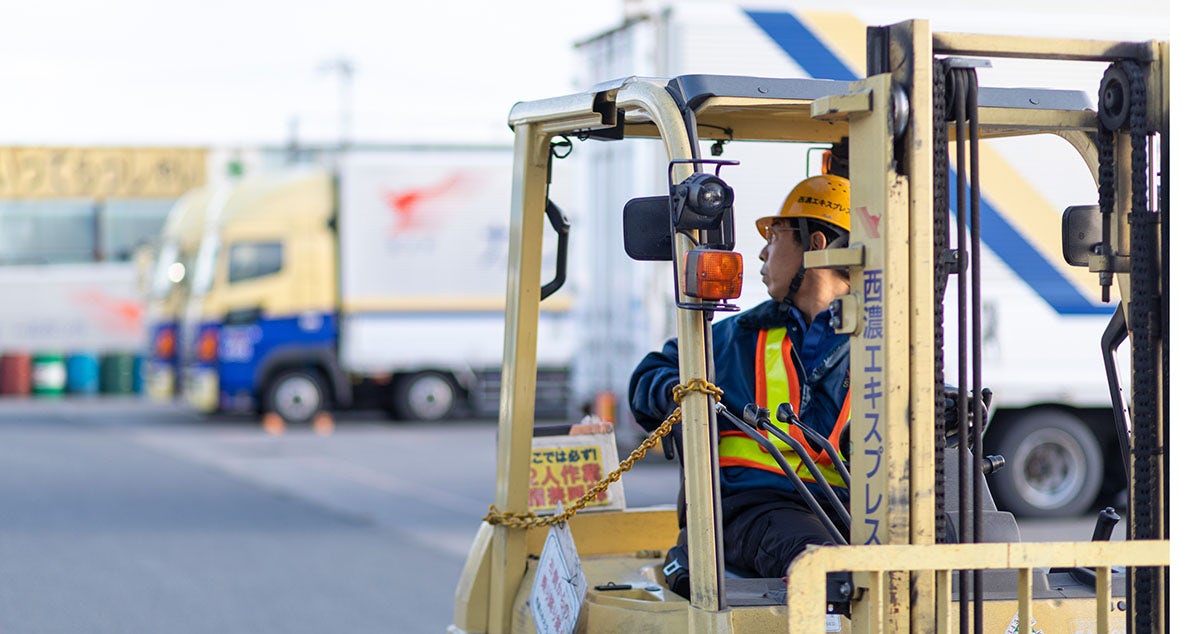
{"x": 798, "y": 278}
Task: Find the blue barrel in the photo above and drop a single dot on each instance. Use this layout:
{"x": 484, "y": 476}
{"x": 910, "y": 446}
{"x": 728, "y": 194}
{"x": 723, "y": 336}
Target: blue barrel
{"x": 137, "y": 373}
{"x": 83, "y": 373}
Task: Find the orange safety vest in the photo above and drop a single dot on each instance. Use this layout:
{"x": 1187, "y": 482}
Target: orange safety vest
{"x": 777, "y": 380}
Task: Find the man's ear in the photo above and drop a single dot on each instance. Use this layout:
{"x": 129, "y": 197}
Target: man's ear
{"x": 817, "y": 241}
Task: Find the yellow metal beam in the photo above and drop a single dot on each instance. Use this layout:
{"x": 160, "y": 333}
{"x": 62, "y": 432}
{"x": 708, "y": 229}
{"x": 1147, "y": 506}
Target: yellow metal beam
{"x": 973, "y": 44}
{"x": 806, "y": 577}
{"x": 518, "y": 380}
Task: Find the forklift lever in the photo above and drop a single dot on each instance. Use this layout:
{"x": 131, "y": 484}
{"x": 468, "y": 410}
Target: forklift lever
{"x": 1105, "y": 523}
{"x": 786, "y": 413}
{"x": 797, "y": 483}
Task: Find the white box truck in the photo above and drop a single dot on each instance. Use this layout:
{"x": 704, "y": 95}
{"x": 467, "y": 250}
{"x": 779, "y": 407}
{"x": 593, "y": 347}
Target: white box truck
{"x": 1052, "y": 417}
{"x": 378, "y": 281}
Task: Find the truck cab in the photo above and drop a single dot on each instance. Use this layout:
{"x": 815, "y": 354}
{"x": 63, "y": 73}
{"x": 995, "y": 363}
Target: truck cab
{"x": 167, "y": 290}
{"x": 261, "y": 299}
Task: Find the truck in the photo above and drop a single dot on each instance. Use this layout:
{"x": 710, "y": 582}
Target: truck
{"x": 923, "y": 548}
{"x": 375, "y": 279}
{"x": 1052, "y": 415}
{"x": 165, "y": 287}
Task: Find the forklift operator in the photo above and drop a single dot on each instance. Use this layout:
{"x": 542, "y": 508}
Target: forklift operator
{"x": 781, "y": 350}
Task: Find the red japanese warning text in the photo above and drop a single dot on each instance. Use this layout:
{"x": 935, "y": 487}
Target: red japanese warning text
{"x": 564, "y": 474}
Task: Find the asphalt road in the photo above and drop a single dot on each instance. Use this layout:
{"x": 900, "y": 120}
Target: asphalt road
{"x": 118, "y": 516}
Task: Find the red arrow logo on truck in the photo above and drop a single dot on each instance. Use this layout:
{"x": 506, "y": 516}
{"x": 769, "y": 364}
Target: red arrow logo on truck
{"x": 407, "y": 203}
{"x": 116, "y": 313}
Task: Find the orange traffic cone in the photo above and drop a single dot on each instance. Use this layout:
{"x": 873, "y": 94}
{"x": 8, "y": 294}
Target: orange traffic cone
{"x": 273, "y": 424}
{"x": 323, "y": 423}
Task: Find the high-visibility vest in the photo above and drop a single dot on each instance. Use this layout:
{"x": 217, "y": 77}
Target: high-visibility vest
{"x": 776, "y": 381}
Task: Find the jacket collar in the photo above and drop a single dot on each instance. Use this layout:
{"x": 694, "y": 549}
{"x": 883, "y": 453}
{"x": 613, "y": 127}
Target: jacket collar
{"x": 767, "y": 315}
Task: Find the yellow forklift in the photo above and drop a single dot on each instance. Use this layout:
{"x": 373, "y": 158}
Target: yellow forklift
{"x": 927, "y": 550}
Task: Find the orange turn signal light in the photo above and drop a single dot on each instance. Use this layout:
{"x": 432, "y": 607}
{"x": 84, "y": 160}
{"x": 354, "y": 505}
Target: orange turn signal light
{"x": 713, "y": 274}
{"x": 164, "y": 344}
{"x": 206, "y": 347}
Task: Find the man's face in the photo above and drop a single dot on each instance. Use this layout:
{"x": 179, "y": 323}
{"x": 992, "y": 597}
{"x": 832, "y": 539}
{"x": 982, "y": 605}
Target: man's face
{"x": 781, "y": 258}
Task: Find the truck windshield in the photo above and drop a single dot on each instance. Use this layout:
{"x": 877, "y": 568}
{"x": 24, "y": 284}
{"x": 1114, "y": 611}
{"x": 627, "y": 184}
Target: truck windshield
{"x": 206, "y": 264}
{"x": 168, "y": 270}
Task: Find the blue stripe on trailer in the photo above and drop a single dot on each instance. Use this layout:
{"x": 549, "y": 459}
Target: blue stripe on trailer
{"x": 816, "y": 59}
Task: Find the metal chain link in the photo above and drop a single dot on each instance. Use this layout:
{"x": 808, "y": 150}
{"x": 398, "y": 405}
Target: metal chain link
{"x": 530, "y": 520}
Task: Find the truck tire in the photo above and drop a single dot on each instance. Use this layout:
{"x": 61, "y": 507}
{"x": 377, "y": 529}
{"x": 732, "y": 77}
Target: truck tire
{"x": 296, "y": 395}
{"x": 426, "y": 396}
{"x": 1054, "y": 466}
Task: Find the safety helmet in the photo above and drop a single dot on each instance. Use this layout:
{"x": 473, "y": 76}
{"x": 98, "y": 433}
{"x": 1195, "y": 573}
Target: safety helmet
{"x": 825, "y": 197}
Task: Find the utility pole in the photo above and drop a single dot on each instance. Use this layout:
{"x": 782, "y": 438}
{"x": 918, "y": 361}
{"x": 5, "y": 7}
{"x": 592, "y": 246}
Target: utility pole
{"x": 344, "y": 68}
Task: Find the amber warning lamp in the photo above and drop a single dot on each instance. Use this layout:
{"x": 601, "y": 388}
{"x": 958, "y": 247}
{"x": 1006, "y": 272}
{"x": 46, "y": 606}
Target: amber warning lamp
{"x": 713, "y": 274}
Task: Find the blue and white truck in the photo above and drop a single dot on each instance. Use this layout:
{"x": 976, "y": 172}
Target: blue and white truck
{"x": 377, "y": 280}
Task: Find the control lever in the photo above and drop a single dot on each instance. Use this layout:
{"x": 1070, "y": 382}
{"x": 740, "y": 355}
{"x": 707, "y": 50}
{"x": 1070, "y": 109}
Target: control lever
{"x": 1105, "y": 523}
{"x": 786, "y": 413}
{"x": 762, "y": 420}
{"x": 770, "y": 447}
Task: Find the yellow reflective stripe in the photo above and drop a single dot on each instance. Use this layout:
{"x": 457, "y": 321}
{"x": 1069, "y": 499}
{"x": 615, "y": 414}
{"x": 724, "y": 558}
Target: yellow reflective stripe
{"x": 738, "y": 450}
{"x": 775, "y": 371}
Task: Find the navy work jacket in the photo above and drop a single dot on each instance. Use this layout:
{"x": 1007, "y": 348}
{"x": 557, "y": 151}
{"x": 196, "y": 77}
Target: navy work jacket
{"x": 824, "y": 360}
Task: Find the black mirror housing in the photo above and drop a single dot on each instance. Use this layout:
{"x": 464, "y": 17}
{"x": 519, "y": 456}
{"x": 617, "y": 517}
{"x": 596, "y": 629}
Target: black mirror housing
{"x": 647, "y": 228}
{"x": 1082, "y": 233}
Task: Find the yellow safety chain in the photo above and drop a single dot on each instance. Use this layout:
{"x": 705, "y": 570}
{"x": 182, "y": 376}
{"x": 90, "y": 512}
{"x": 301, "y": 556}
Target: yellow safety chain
{"x": 529, "y": 520}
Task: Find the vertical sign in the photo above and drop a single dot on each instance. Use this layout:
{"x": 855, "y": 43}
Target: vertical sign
{"x": 558, "y": 585}
{"x": 870, "y": 378}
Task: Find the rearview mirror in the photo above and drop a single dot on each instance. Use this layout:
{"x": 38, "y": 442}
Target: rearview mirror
{"x": 647, "y": 223}
{"x": 1082, "y": 233}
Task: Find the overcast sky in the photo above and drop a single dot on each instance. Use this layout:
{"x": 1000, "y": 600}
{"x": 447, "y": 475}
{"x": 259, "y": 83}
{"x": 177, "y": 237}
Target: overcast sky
{"x": 233, "y": 72}
{"x": 242, "y": 71}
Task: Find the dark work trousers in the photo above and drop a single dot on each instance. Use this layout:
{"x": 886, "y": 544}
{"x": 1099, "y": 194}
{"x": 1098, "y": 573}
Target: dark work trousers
{"x": 764, "y": 531}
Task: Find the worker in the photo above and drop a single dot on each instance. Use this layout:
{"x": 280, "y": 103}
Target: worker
{"x": 783, "y": 349}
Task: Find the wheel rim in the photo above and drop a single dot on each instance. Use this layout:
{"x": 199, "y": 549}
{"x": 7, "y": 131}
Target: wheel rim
{"x": 297, "y": 398}
{"x": 430, "y": 397}
{"x": 1052, "y": 468}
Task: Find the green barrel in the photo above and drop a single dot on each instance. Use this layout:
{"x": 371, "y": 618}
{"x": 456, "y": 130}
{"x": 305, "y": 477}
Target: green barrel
{"x": 117, "y": 373}
{"x": 49, "y": 374}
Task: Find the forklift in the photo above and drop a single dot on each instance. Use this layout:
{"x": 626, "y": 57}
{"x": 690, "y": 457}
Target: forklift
{"x": 927, "y": 551}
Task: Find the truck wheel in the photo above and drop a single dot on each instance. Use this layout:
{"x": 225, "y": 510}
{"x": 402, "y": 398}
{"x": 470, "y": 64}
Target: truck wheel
{"x": 296, "y": 395}
{"x": 1054, "y": 467}
{"x": 426, "y": 396}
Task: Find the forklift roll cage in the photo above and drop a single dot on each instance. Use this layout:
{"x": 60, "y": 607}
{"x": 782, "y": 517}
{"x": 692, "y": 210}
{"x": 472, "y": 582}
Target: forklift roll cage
{"x": 902, "y": 579}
